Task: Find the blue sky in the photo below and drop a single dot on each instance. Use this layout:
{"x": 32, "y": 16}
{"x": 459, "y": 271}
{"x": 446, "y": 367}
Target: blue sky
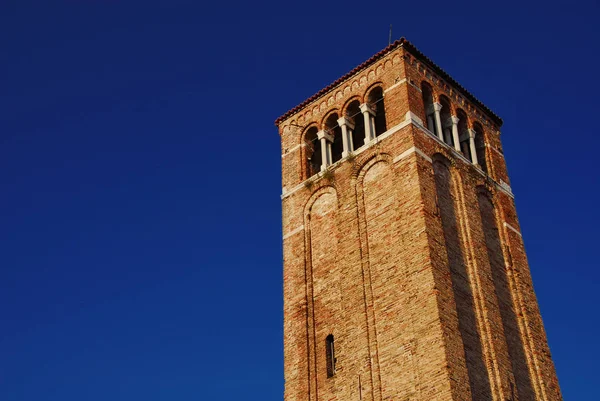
{"x": 140, "y": 234}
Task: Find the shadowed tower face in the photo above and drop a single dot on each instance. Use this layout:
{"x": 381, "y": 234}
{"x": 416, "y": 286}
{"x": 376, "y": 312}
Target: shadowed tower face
{"x": 405, "y": 275}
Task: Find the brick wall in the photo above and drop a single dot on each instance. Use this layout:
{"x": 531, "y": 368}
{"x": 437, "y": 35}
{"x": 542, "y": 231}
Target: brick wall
{"x": 409, "y": 255}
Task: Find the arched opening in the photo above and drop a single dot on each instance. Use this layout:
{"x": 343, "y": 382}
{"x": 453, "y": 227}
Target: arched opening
{"x": 480, "y": 146}
{"x": 463, "y": 134}
{"x": 312, "y": 146}
{"x": 332, "y": 128}
{"x": 445, "y": 114}
{"x": 460, "y": 281}
{"x": 355, "y": 116}
{"x": 375, "y": 100}
{"x": 428, "y": 107}
{"x": 330, "y": 350}
{"x": 508, "y": 311}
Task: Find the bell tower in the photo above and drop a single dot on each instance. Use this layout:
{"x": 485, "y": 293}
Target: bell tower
{"x": 405, "y": 275}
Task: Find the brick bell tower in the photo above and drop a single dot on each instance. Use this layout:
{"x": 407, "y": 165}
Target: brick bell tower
{"x": 405, "y": 276}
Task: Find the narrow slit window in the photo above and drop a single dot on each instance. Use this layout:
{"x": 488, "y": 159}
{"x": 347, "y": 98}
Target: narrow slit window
{"x": 330, "y": 349}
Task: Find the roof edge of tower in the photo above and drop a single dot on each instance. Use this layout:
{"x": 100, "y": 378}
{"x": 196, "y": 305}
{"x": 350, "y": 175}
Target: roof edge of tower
{"x": 402, "y": 42}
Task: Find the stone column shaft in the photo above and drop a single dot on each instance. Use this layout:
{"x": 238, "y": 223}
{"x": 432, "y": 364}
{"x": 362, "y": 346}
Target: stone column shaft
{"x": 368, "y": 114}
{"x": 438, "y": 120}
{"x": 455, "y": 138}
{"x": 326, "y": 140}
{"x": 472, "y": 134}
{"x": 347, "y": 128}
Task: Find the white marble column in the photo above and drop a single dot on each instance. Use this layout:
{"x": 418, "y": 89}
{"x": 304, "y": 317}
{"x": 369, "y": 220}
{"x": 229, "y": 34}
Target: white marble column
{"x": 455, "y": 137}
{"x": 326, "y": 140}
{"x": 472, "y": 134}
{"x": 438, "y": 120}
{"x": 369, "y": 116}
{"x": 347, "y": 126}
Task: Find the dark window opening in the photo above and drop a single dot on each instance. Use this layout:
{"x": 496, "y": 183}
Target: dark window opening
{"x": 428, "y": 106}
{"x": 354, "y": 114}
{"x": 480, "y": 146}
{"x": 375, "y": 100}
{"x": 332, "y": 127}
{"x": 463, "y": 134}
{"x": 445, "y": 114}
{"x": 331, "y": 360}
{"x": 313, "y": 152}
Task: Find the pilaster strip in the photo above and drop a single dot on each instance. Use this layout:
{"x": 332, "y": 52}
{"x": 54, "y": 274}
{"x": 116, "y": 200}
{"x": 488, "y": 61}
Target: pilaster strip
{"x": 523, "y": 322}
{"x": 482, "y": 313}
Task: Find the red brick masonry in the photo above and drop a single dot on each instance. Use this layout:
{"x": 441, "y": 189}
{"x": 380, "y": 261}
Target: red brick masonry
{"x": 409, "y": 254}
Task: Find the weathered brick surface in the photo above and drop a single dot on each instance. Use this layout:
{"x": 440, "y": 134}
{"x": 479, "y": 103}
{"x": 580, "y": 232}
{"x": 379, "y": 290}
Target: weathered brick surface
{"x": 409, "y": 255}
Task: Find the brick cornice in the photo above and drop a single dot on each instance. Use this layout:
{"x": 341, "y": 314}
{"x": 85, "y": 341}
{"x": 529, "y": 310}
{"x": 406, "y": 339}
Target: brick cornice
{"x": 417, "y": 54}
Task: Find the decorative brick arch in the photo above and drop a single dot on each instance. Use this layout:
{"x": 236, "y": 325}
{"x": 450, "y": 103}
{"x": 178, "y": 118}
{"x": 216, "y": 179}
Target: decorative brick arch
{"x": 449, "y": 162}
{"x": 360, "y": 167}
{"x": 442, "y": 98}
{"x": 326, "y": 116}
{"x": 370, "y": 88}
{"x": 304, "y": 131}
{"x": 325, "y": 189}
{"x": 348, "y": 102}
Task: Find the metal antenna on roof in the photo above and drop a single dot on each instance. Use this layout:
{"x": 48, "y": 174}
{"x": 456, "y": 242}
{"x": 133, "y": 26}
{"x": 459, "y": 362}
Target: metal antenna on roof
{"x": 390, "y": 37}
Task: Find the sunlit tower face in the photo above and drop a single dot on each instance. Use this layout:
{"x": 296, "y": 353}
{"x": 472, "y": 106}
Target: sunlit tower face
{"x": 405, "y": 275}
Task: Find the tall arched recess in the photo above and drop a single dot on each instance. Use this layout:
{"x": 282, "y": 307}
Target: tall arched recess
{"x": 323, "y": 283}
{"x": 479, "y": 381}
{"x": 378, "y": 216}
{"x": 508, "y": 311}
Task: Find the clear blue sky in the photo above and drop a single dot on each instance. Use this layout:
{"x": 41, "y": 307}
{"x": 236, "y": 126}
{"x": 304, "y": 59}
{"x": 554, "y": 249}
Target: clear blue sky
{"x": 140, "y": 237}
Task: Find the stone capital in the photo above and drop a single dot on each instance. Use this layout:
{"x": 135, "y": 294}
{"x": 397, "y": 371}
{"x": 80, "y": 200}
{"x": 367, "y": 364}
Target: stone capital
{"x": 345, "y": 121}
{"x": 437, "y": 106}
{"x": 322, "y": 134}
{"x": 454, "y": 119}
{"x": 366, "y": 108}
{"x": 472, "y": 133}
